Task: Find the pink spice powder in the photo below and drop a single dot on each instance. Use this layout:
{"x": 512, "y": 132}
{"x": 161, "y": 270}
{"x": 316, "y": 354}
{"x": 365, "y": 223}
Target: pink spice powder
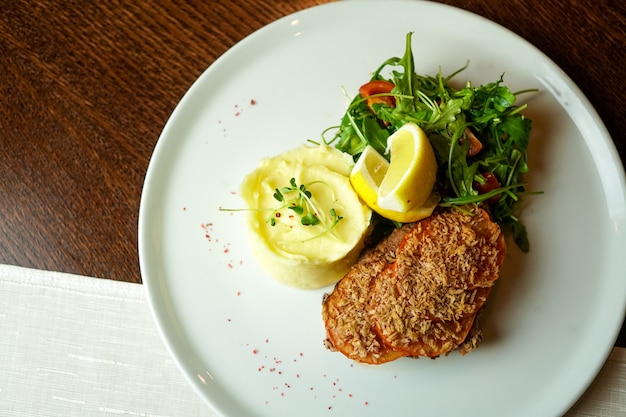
{"x": 209, "y": 236}
{"x": 273, "y": 366}
{"x": 239, "y": 109}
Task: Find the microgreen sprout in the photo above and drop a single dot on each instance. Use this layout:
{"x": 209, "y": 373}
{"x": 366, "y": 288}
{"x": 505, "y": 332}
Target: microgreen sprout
{"x": 299, "y": 199}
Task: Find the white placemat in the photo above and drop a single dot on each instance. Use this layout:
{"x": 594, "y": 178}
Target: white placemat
{"x": 79, "y": 346}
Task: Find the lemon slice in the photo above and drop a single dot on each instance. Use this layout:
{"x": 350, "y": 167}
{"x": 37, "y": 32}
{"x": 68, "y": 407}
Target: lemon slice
{"x": 412, "y": 171}
{"x": 367, "y": 174}
{"x": 366, "y": 177}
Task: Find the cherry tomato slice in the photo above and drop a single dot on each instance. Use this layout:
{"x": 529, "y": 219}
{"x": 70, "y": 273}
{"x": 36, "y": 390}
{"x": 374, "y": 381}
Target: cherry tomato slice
{"x": 377, "y": 87}
{"x": 491, "y": 183}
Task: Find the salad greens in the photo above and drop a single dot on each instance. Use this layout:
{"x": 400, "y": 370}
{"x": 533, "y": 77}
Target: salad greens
{"x": 479, "y": 136}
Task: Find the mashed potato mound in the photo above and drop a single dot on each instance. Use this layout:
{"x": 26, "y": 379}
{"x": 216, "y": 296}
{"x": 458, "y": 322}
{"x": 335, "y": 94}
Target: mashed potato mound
{"x": 306, "y": 257}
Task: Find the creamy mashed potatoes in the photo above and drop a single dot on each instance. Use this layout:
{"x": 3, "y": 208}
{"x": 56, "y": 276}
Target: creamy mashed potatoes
{"x": 306, "y": 257}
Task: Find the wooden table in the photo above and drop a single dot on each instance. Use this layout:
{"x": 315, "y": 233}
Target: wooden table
{"x": 86, "y": 89}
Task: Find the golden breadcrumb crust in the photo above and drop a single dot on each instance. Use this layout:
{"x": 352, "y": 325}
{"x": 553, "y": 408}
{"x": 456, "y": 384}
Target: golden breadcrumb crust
{"x": 418, "y": 292}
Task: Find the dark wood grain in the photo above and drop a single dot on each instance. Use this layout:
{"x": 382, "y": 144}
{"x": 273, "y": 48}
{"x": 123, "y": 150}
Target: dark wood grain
{"x": 86, "y": 87}
{"x": 85, "y": 91}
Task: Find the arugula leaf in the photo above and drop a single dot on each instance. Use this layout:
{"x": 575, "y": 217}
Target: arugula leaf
{"x": 405, "y": 82}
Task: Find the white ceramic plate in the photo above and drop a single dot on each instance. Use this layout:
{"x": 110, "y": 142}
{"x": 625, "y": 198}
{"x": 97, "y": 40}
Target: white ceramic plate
{"x": 252, "y": 347}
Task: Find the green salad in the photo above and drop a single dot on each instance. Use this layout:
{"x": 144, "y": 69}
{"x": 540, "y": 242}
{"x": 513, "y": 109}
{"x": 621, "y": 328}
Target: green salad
{"x": 480, "y": 137}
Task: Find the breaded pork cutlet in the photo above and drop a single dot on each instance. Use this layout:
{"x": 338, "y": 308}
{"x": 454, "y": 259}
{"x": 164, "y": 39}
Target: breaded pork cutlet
{"x": 424, "y": 302}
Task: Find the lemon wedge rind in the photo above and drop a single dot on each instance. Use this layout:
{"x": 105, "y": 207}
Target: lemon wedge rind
{"x": 414, "y": 214}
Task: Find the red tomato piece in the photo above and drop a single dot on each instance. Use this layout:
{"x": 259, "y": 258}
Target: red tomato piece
{"x": 491, "y": 183}
{"x": 372, "y": 88}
